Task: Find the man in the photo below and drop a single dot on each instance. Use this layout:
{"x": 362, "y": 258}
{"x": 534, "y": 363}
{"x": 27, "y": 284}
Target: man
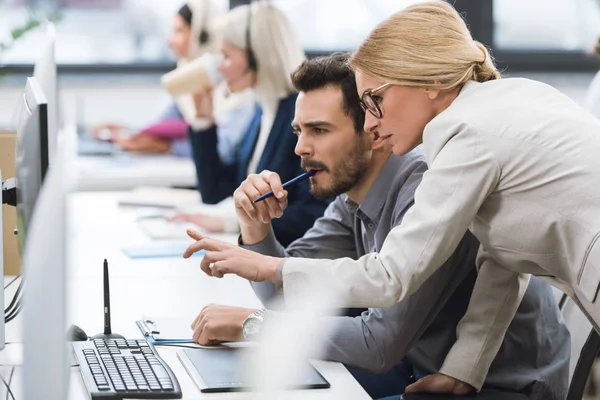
{"x": 374, "y": 189}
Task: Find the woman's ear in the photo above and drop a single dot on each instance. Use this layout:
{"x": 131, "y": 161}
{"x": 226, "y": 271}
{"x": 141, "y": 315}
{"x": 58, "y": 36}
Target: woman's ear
{"x": 432, "y": 93}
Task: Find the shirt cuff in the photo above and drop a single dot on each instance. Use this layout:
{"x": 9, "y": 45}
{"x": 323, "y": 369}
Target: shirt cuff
{"x": 201, "y": 124}
{"x": 279, "y": 275}
{"x": 268, "y": 246}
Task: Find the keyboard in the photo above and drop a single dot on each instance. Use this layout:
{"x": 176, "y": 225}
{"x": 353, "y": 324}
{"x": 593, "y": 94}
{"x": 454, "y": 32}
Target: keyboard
{"x": 120, "y": 368}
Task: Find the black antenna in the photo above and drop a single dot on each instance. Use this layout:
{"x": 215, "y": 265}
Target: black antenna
{"x": 107, "y": 328}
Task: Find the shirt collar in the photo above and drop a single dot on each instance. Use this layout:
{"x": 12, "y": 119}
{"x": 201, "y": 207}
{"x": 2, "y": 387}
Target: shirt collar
{"x": 377, "y": 195}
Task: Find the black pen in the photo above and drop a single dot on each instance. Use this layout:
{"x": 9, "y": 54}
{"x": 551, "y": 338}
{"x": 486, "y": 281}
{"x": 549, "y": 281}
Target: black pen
{"x": 297, "y": 179}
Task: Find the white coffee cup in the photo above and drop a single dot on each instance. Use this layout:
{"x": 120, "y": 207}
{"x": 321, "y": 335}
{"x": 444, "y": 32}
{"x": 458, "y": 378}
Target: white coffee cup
{"x": 195, "y": 76}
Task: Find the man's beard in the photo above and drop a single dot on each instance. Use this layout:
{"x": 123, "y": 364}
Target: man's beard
{"x": 345, "y": 174}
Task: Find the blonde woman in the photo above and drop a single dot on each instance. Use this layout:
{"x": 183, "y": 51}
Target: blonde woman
{"x": 513, "y": 160}
{"x": 194, "y": 33}
{"x": 259, "y": 50}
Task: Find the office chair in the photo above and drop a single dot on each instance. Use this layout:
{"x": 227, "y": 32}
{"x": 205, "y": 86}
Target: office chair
{"x": 584, "y": 366}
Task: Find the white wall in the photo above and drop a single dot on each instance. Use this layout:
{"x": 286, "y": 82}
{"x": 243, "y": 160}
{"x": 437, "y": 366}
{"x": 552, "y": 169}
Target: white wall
{"x": 95, "y": 100}
{"x": 138, "y": 100}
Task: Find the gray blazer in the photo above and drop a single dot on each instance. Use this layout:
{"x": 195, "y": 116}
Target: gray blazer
{"x": 517, "y": 163}
{"x": 534, "y": 356}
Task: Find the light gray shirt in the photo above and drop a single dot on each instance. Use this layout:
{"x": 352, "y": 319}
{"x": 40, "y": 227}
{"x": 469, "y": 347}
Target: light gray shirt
{"x": 534, "y": 357}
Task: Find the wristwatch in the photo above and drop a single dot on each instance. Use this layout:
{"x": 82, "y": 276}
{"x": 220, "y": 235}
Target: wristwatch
{"x": 252, "y": 323}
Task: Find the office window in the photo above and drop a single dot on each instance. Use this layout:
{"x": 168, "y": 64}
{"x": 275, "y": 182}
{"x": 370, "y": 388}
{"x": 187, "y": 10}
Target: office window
{"x": 546, "y": 24}
{"x": 326, "y": 25}
{"x": 96, "y": 31}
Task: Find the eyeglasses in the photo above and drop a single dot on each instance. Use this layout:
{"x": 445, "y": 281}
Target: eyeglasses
{"x": 368, "y": 103}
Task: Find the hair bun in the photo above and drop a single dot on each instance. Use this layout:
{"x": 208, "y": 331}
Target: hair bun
{"x": 597, "y": 47}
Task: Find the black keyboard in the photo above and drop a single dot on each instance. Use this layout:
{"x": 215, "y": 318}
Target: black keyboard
{"x": 120, "y": 368}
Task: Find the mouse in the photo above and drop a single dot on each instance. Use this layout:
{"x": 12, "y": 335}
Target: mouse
{"x": 76, "y": 334}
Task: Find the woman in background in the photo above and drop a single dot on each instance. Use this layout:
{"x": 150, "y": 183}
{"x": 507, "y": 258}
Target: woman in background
{"x": 193, "y": 34}
{"x": 259, "y": 50}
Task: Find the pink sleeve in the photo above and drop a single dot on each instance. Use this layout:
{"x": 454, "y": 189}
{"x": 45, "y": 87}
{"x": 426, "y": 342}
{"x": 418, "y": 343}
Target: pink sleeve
{"x": 167, "y": 129}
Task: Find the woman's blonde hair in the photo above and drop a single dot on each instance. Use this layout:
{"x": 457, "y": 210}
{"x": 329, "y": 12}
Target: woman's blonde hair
{"x": 272, "y": 40}
{"x": 425, "y": 45}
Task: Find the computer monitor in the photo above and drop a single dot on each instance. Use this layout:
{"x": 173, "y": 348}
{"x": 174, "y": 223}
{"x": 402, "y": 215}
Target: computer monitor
{"x": 45, "y": 72}
{"x": 45, "y": 352}
{"x": 31, "y": 156}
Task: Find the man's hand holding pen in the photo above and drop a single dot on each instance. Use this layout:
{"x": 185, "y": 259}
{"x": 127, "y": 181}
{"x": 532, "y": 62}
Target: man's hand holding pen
{"x": 259, "y": 199}
{"x": 255, "y": 217}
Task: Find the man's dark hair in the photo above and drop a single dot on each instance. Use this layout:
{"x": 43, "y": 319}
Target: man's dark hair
{"x": 334, "y": 71}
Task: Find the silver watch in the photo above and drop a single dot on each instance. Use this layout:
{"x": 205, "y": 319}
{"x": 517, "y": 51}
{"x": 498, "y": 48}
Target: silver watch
{"x": 252, "y": 323}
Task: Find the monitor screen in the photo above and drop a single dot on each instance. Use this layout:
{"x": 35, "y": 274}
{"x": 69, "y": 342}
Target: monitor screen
{"x": 31, "y": 156}
{"x": 45, "y": 72}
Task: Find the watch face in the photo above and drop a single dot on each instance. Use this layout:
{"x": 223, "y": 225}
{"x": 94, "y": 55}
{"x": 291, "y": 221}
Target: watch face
{"x": 251, "y": 327}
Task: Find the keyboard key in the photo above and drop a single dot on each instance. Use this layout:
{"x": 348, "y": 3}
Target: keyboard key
{"x": 160, "y": 372}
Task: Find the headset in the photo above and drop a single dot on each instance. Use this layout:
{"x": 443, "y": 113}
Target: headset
{"x": 252, "y": 63}
{"x": 204, "y": 35}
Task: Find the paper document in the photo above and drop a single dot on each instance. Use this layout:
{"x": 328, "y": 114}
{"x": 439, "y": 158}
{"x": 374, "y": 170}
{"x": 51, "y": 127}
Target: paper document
{"x": 160, "y": 197}
{"x": 165, "y": 331}
{"x": 158, "y": 250}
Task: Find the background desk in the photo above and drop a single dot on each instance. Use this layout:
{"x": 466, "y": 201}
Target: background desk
{"x": 126, "y": 171}
{"x": 171, "y": 287}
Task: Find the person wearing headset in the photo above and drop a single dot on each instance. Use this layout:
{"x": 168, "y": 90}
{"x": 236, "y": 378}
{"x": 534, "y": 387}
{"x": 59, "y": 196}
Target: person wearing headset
{"x": 513, "y": 160}
{"x": 193, "y": 34}
{"x": 259, "y": 50}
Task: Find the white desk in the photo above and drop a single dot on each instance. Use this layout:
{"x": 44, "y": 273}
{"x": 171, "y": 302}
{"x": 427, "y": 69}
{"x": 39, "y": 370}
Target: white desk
{"x": 171, "y": 287}
{"x": 126, "y": 171}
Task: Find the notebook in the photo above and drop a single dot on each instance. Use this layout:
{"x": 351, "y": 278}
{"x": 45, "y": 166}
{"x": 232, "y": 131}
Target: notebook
{"x": 221, "y": 370}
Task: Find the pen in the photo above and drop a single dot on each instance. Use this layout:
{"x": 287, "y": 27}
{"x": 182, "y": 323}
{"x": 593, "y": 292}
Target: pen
{"x": 297, "y": 179}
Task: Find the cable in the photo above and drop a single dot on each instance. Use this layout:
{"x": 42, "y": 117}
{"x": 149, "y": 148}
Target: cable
{"x": 11, "y": 282}
{"x": 14, "y": 314}
{"x": 7, "y": 384}
{"x": 14, "y": 307}
{"x": 15, "y": 298}
{"x": 12, "y": 372}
